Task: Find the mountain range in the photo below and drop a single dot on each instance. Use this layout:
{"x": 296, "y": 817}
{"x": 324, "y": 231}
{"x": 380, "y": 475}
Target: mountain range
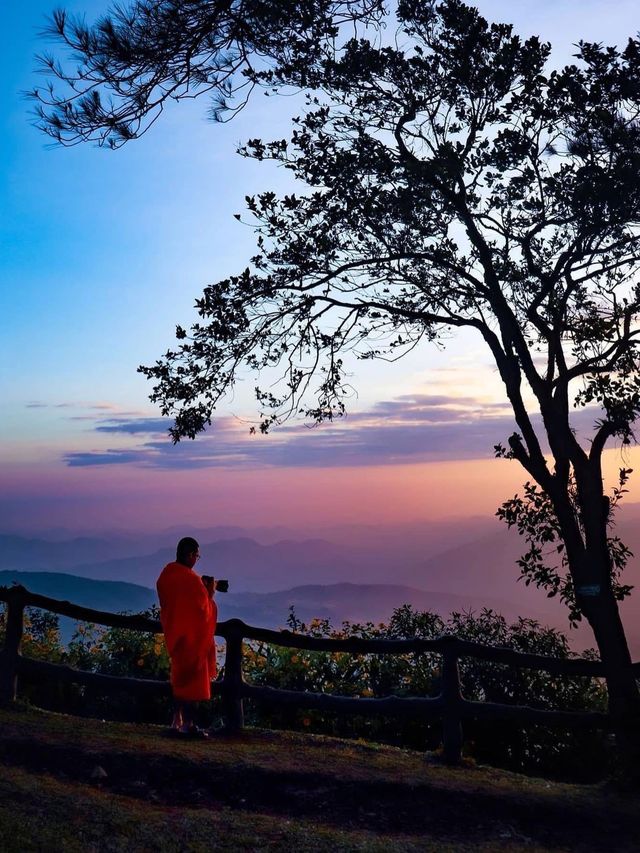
{"x": 336, "y": 602}
{"x": 356, "y": 572}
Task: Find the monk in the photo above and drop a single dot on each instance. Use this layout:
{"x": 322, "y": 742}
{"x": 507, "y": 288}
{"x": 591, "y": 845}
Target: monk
{"x": 188, "y": 615}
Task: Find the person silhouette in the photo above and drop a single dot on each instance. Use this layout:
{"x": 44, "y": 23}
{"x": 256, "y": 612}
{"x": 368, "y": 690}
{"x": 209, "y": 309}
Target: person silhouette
{"x": 188, "y": 615}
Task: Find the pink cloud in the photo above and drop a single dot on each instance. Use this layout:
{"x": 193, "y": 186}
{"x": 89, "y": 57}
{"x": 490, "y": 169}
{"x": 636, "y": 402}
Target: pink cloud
{"x": 411, "y": 429}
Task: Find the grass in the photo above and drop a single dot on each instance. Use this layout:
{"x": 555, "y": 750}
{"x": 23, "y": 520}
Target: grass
{"x": 277, "y": 791}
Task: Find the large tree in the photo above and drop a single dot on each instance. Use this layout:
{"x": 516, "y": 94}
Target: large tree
{"x": 447, "y": 180}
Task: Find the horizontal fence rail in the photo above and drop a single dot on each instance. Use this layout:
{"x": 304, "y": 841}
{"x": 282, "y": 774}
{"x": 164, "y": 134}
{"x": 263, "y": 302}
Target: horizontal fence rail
{"x": 450, "y": 706}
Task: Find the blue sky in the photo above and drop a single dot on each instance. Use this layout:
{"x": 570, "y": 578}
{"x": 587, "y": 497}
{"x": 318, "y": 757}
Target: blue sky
{"x": 102, "y": 253}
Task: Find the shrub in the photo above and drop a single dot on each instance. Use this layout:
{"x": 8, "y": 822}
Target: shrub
{"x": 579, "y": 755}
{"x": 534, "y": 749}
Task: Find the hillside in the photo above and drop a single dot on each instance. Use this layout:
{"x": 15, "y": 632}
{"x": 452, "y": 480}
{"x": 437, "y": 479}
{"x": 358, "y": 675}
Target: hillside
{"x": 486, "y": 568}
{"x": 114, "y": 596}
{"x": 411, "y": 542}
{"x": 336, "y": 602}
{"x": 76, "y": 784}
{"x": 353, "y": 602}
{"x": 468, "y": 564}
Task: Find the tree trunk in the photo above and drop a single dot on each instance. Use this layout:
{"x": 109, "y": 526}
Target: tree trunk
{"x": 601, "y": 610}
{"x": 592, "y": 574}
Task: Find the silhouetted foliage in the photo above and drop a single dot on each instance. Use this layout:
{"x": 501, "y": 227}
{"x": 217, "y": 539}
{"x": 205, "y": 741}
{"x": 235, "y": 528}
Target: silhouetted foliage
{"x": 532, "y": 749}
{"x": 578, "y": 755}
{"x": 119, "y": 651}
{"x": 124, "y": 69}
{"x": 41, "y": 640}
{"x": 546, "y": 563}
{"x": 449, "y": 179}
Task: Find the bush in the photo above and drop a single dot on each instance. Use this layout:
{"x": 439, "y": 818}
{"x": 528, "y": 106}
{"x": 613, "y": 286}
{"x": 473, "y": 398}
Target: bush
{"x": 580, "y": 755}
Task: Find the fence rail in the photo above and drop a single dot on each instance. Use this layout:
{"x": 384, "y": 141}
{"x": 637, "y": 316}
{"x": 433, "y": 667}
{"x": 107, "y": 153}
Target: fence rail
{"x": 450, "y": 706}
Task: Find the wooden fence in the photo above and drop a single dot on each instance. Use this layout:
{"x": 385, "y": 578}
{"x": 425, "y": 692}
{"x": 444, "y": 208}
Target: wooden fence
{"x": 450, "y": 707}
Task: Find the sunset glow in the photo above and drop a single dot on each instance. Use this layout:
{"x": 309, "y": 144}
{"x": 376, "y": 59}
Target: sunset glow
{"x": 103, "y": 253}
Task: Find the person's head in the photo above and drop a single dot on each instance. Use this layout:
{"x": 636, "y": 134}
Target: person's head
{"x": 188, "y": 552}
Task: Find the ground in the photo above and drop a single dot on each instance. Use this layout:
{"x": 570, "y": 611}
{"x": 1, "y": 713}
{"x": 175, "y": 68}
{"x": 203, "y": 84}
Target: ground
{"x": 76, "y": 784}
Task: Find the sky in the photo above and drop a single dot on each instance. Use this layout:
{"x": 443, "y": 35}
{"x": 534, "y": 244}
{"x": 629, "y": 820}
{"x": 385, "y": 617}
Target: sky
{"x": 103, "y": 253}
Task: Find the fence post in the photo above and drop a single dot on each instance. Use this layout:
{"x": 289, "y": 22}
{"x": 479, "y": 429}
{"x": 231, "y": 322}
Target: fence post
{"x": 452, "y": 696}
{"x": 233, "y": 679}
{"x": 13, "y": 638}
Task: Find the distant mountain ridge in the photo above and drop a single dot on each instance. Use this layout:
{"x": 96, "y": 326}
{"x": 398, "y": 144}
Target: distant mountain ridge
{"x": 112, "y": 596}
{"x": 336, "y": 602}
{"x": 248, "y": 564}
{"x": 476, "y": 563}
{"x": 372, "y": 552}
{"x": 351, "y": 602}
{"x": 22, "y": 553}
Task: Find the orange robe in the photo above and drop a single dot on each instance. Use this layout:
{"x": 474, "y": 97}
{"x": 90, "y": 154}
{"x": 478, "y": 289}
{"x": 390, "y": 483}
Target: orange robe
{"x": 188, "y": 616}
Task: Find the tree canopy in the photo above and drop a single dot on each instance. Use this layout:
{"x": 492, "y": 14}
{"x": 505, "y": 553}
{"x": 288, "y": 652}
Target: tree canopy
{"x": 449, "y": 178}
{"x": 447, "y": 183}
{"x": 451, "y": 183}
{"x": 123, "y": 70}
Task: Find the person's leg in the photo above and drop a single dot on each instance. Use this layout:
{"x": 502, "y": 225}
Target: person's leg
{"x": 178, "y": 714}
{"x": 189, "y": 726}
{"x": 187, "y": 715}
